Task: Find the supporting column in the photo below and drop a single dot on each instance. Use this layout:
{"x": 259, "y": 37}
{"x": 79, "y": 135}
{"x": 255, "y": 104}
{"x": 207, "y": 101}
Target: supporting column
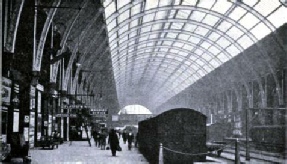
{"x": 160, "y": 156}
{"x": 237, "y": 152}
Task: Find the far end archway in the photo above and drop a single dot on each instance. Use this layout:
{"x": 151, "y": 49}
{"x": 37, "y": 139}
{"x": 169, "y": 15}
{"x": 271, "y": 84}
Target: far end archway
{"x": 134, "y": 109}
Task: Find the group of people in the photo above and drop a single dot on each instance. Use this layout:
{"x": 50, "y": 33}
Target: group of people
{"x": 113, "y": 139}
{"x": 129, "y": 136}
{"x": 100, "y": 138}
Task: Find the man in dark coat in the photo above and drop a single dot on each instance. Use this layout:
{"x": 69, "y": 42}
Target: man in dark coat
{"x": 113, "y": 141}
{"x": 124, "y": 136}
{"x": 130, "y": 140}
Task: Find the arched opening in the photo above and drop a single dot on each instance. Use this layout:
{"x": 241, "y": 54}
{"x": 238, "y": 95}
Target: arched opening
{"x": 134, "y": 109}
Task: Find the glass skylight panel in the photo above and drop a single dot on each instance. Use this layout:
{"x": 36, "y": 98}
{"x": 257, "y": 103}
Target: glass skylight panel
{"x": 206, "y": 3}
{"x": 164, "y": 3}
{"x": 189, "y": 27}
{"x": 214, "y": 50}
{"x": 223, "y": 42}
{"x": 113, "y": 37}
{"x": 124, "y": 29}
{"x": 143, "y": 38}
{"x": 177, "y": 57}
{"x": 166, "y": 25}
{"x": 222, "y": 6}
{"x": 194, "y": 40}
{"x": 161, "y": 54}
{"x": 210, "y": 20}
{"x": 194, "y": 66}
{"x": 205, "y": 45}
{"x": 177, "y": 26}
{"x": 145, "y": 29}
{"x": 224, "y": 26}
{"x": 206, "y": 56}
{"x": 167, "y": 43}
{"x": 222, "y": 57}
{"x": 148, "y": 17}
{"x": 150, "y": 44}
{"x": 214, "y": 36}
{"x": 171, "y": 14}
{"x": 173, "y": 51}
{"x": 133, "y": 34}
{"x": 233, "y": 50}
{"x": 237, "y": 13}
{"x": 181, "y": 53}
{"x": 183, "y": 14}
{"x": 178, "y": 44}
{"x": 156, "y": 26}
{"x": 136, "y": 9}
{"x": 265, "y": 7}
{"x": 122, "y": 3}
{"x": 245, "y": 42}
{"x": 134, "y": 23}
{"x": 107, "y": 2}
{"x": 172, "y": 35}
{"x": 131, "y": 42}
{"x": 113, "y": 46}
{"x": 198, "y": 51}
{"x": 197, "y": 15}
{"x": 187, "y": 62}
{"x": 248, "y": 21}
{"x": 214, "y": 63}
{"x": 160, "y": 15}
{"x": 208, "y": 68}
{"x": 200, "y": 61}
{"x": 110, "y": 9}
{"x": 149, "y": 50}
{"x": 187, "y": 47}
{"x": 201, "y": 72}
{"x": 123, "y": 47}
{"x": 152, "y": 36}
{"x": 234, "y": 32}
{"x": 202, "y": 31}
{"x": 183, "y": 36}
{"x": 260, "y": 31}
{"x": 111, "y": 25}
{"x": 278, "y": 18}
{"x": 123, "y": 16}
{"x": 151, "y": 4}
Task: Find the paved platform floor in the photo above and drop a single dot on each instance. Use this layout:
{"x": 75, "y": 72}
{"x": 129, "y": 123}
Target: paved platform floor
{"x": 80, "y": 152}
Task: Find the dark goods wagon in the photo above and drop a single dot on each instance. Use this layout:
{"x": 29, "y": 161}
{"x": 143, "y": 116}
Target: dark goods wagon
{"x": 182, "y": 133}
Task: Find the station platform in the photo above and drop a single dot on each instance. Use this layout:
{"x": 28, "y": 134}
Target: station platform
{"x": 81, "y": 153}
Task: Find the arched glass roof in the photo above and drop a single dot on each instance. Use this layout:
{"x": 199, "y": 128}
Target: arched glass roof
{"x": 160, "y": 47}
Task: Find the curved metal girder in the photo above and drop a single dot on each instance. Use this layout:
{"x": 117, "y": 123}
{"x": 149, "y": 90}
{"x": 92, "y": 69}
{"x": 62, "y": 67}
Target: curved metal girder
{"x": 74, "y": 52}
{"x": 13, "y": 28}
{"x": 63, "y": 43}
{"x": 37, "y": 60}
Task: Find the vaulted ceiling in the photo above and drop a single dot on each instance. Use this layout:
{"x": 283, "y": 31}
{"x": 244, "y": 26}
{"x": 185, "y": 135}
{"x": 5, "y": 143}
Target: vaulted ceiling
{"x": 148, "y": 51}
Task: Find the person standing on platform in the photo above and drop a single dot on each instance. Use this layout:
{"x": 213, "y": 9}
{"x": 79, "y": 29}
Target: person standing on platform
{"x": 96, "y": 137}
{"x": 73, "y": 135}
{"x": 130, "y": 140}
{"x": 113, "y": 141}
{"x": 124, "y": 136}
{"x": 137, "y": 139}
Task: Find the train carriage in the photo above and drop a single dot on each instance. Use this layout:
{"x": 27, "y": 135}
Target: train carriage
{"x": 182, "y": 133}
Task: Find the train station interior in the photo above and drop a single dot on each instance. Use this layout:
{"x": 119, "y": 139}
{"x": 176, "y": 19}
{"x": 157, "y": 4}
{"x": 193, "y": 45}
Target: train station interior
{"x": 193, "y": 81}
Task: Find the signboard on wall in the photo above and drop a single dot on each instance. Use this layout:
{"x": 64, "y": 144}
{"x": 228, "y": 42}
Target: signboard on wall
{"x": 32, "y": 129}
{"x": 115, "y": 117}
{"x": 16, "y": 122}
{"x": 26, "y": 133}
{"x": 6, "y": 91}
{"x": 39, "y": 102}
